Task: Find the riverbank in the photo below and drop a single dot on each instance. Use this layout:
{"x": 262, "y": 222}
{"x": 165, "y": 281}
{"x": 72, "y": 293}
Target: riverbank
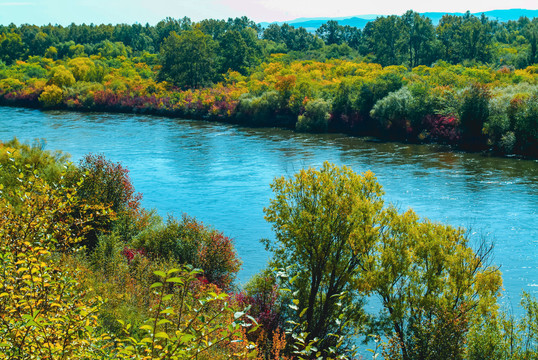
{"x": 283, "y": 123}
{"x": 473, "y": 109}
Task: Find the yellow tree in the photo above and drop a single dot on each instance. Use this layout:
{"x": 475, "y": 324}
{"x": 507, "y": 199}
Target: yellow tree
{"x": 325, "y": 224}
{"x": 341, "y": 243}
{"x": 431, "y": 283}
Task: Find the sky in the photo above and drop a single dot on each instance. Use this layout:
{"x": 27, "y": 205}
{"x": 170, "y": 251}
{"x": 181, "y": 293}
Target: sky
{"x": 64, "y": 12}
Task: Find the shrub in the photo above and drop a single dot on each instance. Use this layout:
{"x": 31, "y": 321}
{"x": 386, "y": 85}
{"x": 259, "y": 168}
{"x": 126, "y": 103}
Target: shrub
{"x": 259, "y": 110}
{"x": 187, "y": 322}
{"x": 392, "y": 111}
{"x": 105, "y": 184}
{"x": 190, "y": 242}
{"x": 16, "y": 157}
{"x": 43, "y": 307}
{"x": 51, "y": 96}
{"x": 526, "y": 125}
{"x": 442, "y": 129}
{"x": 474, "y": 113}
{"x": 61, "y": 77}
{"x": 261, "y": 297}
{"x": 81, "y": 68}
{"x": 108, "y": 183}
{"x": 315, "y": 118}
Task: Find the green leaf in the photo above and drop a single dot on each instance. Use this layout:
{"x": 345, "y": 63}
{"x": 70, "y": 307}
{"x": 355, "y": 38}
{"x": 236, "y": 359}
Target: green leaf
{"x": 177, "y": 280}
{"x": 155, "y": 285}
{"x": 186, "y": 338}
{"x": 160, "y": 273}
{"x": 168, "y": 311}
{"x": 162, "y": 335}
{"x": 163, "y": 321}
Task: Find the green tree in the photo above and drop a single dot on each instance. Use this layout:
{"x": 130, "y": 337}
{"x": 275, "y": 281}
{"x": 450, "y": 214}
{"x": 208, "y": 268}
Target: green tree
{"x": 338, "y": 242}
{"x": 382, "y": 38}
{"x": 234, "y": 52}
{"x": 331, "y": 32}
{"x": 431, "y": 284}
{"x": 11, "y": 47}
{"x": 188, "y": 59}
{"x": 465, "y": 38}
{"x": 418, "y": 37}
{"x": 324, "y": 222}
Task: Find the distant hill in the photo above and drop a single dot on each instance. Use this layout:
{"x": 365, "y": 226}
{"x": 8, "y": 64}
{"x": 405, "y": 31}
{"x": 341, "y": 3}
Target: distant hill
{"x": 500, "y": 15}
{"x": 312, "y": 24}
{"x": 359, "y": 21}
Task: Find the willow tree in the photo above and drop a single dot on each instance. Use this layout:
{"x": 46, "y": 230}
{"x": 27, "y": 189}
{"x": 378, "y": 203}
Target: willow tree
{"x": 340, "y": 243}
{"x": 325, "y": 223}
{"x": 431, "y": 283}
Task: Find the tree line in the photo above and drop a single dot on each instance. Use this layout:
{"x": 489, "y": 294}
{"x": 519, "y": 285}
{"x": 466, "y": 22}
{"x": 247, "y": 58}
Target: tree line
{"x": 410, "y": 40}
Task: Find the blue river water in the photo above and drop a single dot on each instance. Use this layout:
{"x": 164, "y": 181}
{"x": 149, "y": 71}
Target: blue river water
{"x": 221, "y": 173}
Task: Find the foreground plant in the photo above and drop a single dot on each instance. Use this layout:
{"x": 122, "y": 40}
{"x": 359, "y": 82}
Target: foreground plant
{"x": 187, "y": 322}
{"x": 44, "y": 311}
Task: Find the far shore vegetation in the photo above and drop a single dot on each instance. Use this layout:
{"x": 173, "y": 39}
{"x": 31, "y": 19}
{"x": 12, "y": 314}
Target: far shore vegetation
{"x": 469, "y": 81}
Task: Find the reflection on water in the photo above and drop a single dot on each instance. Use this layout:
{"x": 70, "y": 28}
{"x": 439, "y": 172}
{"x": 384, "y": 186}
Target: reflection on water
{"x": 221, "y": 174}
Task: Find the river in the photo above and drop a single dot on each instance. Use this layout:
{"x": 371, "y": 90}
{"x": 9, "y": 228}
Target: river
{"x": 221, "y": 173}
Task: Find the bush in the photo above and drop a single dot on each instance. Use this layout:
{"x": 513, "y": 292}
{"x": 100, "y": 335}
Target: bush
{"x": 51, "y": 96}
{"x": 263, "y": 293}
{"x": 315, "y": 118}
{"x": 49, "y": 314}
{"x": 61, "y": 77}
{"x": 15, "y": 157}
{"x": 81, "y": 68}
{"x": 474, "y": 113}
{"x": 259, "y": 110}
{"x": 392, "y": 111}
{"x": 442, "y": 129}
{"x": 105, "y": 184}
{"x": 526, "y": 126}
{"x": 108, "y": 183}
{"x": 190, "y": 242}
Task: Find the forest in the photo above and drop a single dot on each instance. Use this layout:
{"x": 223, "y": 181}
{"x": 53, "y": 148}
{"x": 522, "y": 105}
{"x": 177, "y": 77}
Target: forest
{"x": 469, "y": 82}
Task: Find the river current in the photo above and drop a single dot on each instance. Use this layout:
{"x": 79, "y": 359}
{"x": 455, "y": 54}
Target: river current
{"x": 221, "y": 173}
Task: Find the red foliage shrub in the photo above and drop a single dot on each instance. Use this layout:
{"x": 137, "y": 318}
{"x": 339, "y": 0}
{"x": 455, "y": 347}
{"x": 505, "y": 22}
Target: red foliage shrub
{"x": 107, "y": 183}
{"x": 131, "y": 253}
{"x": 190, "y": 242}
{"x": 217, "y": 257}
{"x": 442, "y": 128}
{"x": 262, "y": 296}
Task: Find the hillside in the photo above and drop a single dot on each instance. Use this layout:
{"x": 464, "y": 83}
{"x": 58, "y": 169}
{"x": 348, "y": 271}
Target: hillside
{"x": 359, "y": 21}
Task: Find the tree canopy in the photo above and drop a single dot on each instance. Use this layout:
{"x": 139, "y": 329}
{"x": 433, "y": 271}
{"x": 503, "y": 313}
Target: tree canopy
{"x": 339, "y": 242}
